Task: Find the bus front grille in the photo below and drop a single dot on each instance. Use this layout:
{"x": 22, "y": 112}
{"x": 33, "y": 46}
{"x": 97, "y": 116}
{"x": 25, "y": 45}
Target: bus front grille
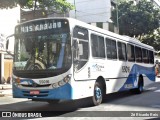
{"x": 47, "y": 85}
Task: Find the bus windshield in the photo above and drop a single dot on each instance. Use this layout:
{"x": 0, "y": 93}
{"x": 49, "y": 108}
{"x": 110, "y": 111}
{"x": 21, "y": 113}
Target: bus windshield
{"x": 43, "y": 51}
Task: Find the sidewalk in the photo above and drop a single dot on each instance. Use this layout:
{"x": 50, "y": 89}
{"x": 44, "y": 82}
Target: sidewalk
{"x": 5, "y": 89}
{"x": 157, "y": 79}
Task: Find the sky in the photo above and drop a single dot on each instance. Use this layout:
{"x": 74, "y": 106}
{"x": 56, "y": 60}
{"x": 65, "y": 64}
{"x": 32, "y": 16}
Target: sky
{"x": 8, "y": 19}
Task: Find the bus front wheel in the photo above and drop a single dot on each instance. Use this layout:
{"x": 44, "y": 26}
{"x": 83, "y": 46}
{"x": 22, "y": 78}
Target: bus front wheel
{"x": 98, "y": 94}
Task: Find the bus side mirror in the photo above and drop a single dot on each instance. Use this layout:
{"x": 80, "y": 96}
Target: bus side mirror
{"x": 7, "y": 45}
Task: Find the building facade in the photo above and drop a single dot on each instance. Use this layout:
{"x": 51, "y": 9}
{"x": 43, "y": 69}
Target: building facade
{"x": 94, "y": 12}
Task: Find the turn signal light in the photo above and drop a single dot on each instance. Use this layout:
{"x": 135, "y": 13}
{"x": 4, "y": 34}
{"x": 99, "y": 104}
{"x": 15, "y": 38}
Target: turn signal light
{"x": 18, "y": 80}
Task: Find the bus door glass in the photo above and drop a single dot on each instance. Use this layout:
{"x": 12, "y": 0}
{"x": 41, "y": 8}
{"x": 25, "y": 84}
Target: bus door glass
{"x": 80, "y": 41}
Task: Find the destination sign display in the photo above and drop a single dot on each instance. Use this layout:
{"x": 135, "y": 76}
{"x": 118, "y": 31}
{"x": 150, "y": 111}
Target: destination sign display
{"x": 41, "y": 25}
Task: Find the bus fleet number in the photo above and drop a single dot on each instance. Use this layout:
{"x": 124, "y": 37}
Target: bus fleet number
{"x": 42, "y": 82}
{"x": 125, "y": 69}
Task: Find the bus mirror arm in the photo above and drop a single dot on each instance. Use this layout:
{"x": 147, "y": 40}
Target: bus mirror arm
{"x": 7, "y": 45}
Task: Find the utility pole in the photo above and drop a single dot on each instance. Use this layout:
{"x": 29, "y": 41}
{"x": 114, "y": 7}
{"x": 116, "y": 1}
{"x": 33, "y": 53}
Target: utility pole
{"x": 117, "y": 16}
{"x": 34, "y": 10}
{"x": 75, "y": 9}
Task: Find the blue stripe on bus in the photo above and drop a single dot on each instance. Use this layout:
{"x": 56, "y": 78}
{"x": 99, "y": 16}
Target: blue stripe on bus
{"x": 63, "y": 92}
{"x": 149, "y": 72}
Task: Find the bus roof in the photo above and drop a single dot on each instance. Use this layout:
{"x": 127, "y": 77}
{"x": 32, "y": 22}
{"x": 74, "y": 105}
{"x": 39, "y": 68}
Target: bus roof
{"x": 108, "y": 33}
{"x": 99, "y": 30}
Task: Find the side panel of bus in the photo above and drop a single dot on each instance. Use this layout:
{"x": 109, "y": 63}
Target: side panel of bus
{"x": 118, "y": 73}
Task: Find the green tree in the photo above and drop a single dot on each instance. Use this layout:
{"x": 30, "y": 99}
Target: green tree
{"x": 153, "y": 39}
{"x": 136, "y": 19}
{"x": 49, "y": 5}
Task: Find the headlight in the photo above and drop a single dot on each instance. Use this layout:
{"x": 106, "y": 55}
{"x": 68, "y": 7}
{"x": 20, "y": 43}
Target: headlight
{"x": 18, "y": 80}
{"x": 67, "y": 78}
{"x": 62, "y": 82}
{"x": 55, "y": 85}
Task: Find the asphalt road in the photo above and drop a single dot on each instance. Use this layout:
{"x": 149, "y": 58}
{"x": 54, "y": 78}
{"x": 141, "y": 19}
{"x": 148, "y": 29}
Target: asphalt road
{"x": 115, "y": 106}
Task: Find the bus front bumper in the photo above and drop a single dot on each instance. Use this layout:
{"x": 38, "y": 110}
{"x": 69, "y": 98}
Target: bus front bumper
{"x": 63, "y": 93}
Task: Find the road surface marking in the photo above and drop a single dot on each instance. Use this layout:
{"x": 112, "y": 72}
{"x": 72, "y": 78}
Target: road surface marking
{"x": 157, "y": 90}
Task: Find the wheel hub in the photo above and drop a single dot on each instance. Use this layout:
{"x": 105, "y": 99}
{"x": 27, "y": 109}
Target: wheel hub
{"x": 98, "y": 93}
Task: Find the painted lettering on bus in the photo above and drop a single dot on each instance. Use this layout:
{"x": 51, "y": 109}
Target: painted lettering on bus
{"x": 39, "y": 27}
{"x": 97, "y": 67}
{"x": 42, "y": 82}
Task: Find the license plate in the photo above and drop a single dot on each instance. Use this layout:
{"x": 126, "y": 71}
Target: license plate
{"x": 35, "y": 92}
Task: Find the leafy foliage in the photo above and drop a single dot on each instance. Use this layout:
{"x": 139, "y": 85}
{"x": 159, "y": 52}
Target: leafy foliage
{"x": 153, "y": 39}
{"x": 49, "y": 5}
{"x": 5, "y": 4}
{"x": 136, "y": 19}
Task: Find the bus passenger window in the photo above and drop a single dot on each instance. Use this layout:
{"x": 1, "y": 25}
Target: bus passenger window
{"x": 145, "y": 55}
{"x": 151, "y": 57}
{"x": 80, "y": 33}
{"x": 98, "y": 46}
{"x": 138, "y": 53}
{"x": 122, "y": 51}
{"x": 130, "y": 53}
{"x": 111, "y": 49}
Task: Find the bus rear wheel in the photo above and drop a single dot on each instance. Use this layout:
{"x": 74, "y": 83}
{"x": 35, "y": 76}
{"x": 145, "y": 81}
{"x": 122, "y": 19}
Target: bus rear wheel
{"x": 140, "y": 86}
{"x": 138, "y": 90}
{"x": 98, "y": 94}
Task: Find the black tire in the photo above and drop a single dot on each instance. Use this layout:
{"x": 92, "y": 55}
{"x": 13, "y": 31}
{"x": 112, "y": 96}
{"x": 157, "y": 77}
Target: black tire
{"x": 97, "y": 94}
{"x": 53, "y": 101}
{"x": 138, "y": 90}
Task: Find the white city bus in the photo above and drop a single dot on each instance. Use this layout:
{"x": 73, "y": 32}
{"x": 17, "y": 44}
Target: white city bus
{"x": 66, "y": 59}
